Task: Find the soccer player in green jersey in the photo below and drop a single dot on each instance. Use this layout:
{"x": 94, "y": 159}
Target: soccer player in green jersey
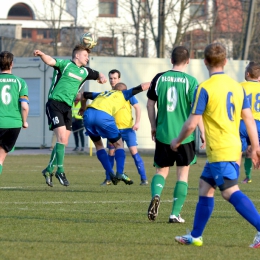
{"x": 173, "y": 91}
{"x": 14, "y": 106}
{"x": 69, "y": 77}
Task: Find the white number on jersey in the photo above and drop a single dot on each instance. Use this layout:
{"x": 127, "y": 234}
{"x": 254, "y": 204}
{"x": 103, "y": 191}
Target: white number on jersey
{"x": 5, "y": 95}
{"x": 172, "y": 97}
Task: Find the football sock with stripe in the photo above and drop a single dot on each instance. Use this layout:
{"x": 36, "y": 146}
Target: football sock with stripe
{"x": 53, "y": 160}
{"x": 1, "y": 168}
{"x": 60, "y": 152}
{"x": 179, "y": 197}
{"x": 157, "y": 185}
{"x": 203, "y": 212}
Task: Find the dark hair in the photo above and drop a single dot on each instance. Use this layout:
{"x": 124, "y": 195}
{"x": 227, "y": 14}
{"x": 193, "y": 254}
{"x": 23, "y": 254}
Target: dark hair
{"x": 180, "y": 55}
{"x": 115, "y": 71}
{"x": 215, "y": 54}
{"x": 253, "y": 69}
{"x": 6, "y": 59}
{"x": 78, "y": 48}
{"x": 120, "y": 86}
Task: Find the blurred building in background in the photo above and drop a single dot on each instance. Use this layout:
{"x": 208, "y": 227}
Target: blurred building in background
{"x": 142, "y": 28}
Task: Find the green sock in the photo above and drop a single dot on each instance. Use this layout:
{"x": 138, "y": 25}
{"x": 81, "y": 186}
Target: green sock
{"x": 157, "y": 185}
{"x": 248, "y": 167}
{"x": 1, "y": 168}
{"x": 53, "y": 160}
{"x": 60, "y": 152}
{"x": 179, "y": 197}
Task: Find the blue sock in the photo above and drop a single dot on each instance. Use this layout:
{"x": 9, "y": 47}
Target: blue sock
{"x": 140, "y": 166}
{"x": 111, "y": 159}
{"x": 245, "y": 207}
{"x": 120, "y": 160}
{"x": 103, "y": 158}
{"x": 203, "y": 212}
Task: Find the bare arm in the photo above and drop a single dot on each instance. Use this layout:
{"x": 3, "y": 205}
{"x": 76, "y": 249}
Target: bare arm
{"x": 187, "y": 129}
{"x": 83, "y": 102}
{"x": 145, "y": 85}
{"x": 152, "y": 116}
{"x": 101, "y": 79}
{"x": 45, "y": 58}
{"x": 24, "y": 113}
{"x": 251, "y": 129}
{"x": 137, "y": 116}
{"x": 202, "y": 133}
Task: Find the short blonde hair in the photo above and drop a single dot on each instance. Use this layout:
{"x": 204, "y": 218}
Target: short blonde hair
{"x": 215, "y": 54}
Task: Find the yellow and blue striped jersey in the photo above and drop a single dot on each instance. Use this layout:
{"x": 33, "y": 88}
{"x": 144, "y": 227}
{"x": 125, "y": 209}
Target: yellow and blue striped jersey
{"x": 220, "y": 100}
{"x": 123, "y": 117}
{"x": 252, "y": 89}
{"x": 111, "y": 101}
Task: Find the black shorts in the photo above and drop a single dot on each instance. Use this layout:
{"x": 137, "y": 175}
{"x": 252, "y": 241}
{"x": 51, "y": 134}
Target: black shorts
{"x": 8, "y": 137}
{"x": 59, "y": 114}
{"x": 165, "y": 157}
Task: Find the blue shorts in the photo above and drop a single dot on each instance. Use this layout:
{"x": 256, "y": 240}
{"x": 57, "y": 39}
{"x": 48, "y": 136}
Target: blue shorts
{"x": 244, "y": 135}
{"x": 128, "y": 136}
{"x": 216, "y": 173}
{"x": 99, "y": 123}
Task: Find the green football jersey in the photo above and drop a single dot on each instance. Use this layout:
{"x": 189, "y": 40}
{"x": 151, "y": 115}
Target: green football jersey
{"x": 68, "y": 79}
{"x": 174, "y": 92}
{"x": 12, "y": 90}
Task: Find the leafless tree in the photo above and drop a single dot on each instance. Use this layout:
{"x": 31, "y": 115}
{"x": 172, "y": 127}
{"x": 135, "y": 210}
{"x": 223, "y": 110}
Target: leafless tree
{"x": 53, "y": 15}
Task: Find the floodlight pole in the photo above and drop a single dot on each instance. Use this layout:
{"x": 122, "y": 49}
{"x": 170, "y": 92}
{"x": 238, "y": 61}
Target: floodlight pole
{"x": 248, "y": 29}
{"x": 161, "y": 29}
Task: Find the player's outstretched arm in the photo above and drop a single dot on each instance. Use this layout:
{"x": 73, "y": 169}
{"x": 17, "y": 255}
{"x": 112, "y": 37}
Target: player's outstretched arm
{"x": 145, "y": 85}
{"x": 45, "y": 58}
{"x": 101, "y": 79}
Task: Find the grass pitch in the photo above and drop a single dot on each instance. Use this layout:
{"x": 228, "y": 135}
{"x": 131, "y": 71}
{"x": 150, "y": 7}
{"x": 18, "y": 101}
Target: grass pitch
{"x": 88, "y": 221}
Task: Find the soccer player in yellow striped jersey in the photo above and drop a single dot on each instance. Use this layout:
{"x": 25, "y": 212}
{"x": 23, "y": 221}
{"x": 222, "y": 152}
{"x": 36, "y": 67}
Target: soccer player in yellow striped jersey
{"x": 99, "y": 122}
{"x": 220, "y": 101}
{"x": 252, "y": 89}
{"x": 127, "y": 128}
